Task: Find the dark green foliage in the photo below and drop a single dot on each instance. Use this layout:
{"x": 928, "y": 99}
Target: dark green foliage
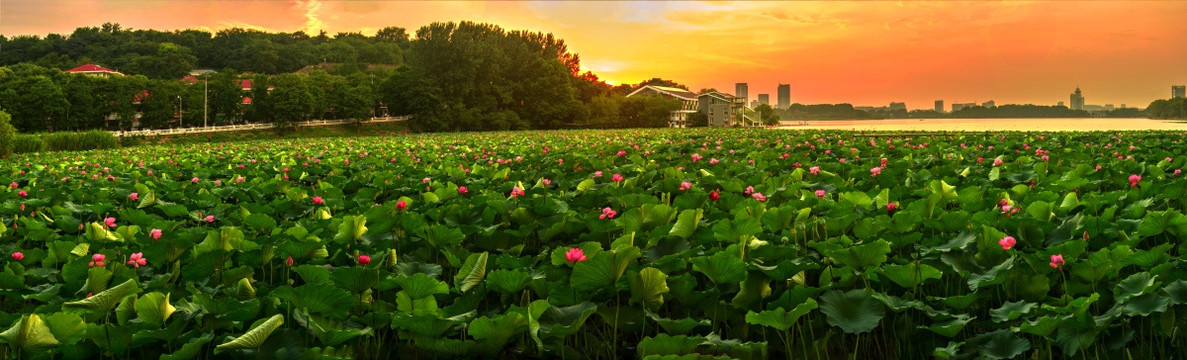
{"x": 27, "y": 143}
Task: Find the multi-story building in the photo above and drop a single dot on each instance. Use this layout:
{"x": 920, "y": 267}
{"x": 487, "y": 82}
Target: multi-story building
{"x": 784, "y": 96}
{"x": 688, "y": 102}
{"x": 743, "y": 91}
{"x": 898, "y": 106}
{"x": 1077, "y": 100}
{"x": 764, "y": 99}
{"x": 1178, "y": 91}
{"x": 989, "y": 104}
{"x": 939, "y": 106}
{"x": 722, "y": 109}
{"x": 958, "y": 107}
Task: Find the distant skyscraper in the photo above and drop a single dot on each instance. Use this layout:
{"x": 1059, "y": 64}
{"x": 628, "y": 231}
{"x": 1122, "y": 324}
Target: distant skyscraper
{"x": 898, "y": 106}
{"x": 939, "y": 106}
{"x": 784, "y": 96}
{"x": 1077, "y": 101}
{"x": 764, "y": 99}
{"x": 1178, "y": 91}
{"x": 1059, "y": 104}
{"x": 742, "y": 91}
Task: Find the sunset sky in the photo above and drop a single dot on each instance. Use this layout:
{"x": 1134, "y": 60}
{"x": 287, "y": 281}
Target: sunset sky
{"x": 864, "y": 53}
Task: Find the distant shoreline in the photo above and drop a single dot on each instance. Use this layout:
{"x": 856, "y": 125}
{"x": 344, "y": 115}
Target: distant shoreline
{"x": 989, "y": 124}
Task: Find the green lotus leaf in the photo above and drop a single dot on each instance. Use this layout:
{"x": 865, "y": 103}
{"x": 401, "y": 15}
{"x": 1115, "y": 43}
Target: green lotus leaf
{"x": 190, "y": 349}
{"x": 910, "y": 275}
{"x": 1011, "y": 310}
{"x": 648, "y": 287}
{"x": 253, "y": 338}
{"x": 780, "y": 319}
{"x": 472, "y": 272}
{"x": 355, "y": 279}
{"x": 950, "y": 327}
{"x": 105, "y": 300}
{"x": 855, "y": 311}
{"x": 1134, "y": 285}
{"x": 351, "y": 229}
{"x": 1002, "y": 344}
{"x": 687, "y": 223}
{"x": 260, "y": 222}
{"x": 313, "y": 274}
{"x": 861, "y": 257}
{"x": 420, "y": 285}
{"x": 509, "y": 281}
{"x": 67, "y": 328}
{"x": 565, "y": 321}
{"x": 993, "y": 276}
{"x": 30, "y": 333}
{"x": 154, "y": 308}
{"x": 664, "y": 344}
{"x": 721, "y": 268}
{"x": 1145, "y": 305}
{"x": 603, "y": 270}
{"x": 678, "y": 326}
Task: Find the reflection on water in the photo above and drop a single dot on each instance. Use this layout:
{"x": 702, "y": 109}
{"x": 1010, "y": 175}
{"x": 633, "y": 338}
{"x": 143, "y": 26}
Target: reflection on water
{"x": 1086, "y": 124}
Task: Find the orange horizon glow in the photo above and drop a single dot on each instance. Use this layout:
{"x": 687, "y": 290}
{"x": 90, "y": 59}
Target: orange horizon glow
{"x": 863, "y": 53}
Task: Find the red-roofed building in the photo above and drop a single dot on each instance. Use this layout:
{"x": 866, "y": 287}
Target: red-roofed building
{"x": 94, "y": 70}
{"x": 244, "y": 83}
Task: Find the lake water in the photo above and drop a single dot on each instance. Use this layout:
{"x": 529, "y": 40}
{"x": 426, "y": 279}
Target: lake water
{"x": 1086, "y": 124}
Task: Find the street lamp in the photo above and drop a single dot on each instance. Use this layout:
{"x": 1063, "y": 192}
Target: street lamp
{"x": 205, "y": 100}
{"x": 180, "y": 112}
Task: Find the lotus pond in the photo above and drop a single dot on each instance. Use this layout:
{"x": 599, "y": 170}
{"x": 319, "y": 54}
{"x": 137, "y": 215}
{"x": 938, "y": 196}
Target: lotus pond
{"x": 650, "y": 244}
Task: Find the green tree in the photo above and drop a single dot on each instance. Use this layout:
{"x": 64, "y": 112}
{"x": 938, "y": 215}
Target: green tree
{"x": 767, "y": 115}
{"x": 34, "y": 102}
{"x": 290, "y": 101}
{"x": 7, "y": 134}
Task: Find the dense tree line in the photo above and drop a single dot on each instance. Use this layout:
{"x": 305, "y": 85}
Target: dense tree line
{"x": 451, "y": 77}
{"x": 1175, "y": 108}
{"x": 171, "y": 54}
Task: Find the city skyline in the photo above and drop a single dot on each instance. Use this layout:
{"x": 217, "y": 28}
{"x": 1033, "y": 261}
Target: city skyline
{"x": 868, "y": 53}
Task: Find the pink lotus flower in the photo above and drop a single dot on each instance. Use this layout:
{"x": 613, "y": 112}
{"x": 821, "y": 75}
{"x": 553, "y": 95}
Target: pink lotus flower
{"x": 401, "y": 205}
{"x": 820, "y": 193}
{"x": 546, "y": 182}
{"x": 22, "y": 193}
{"x": 875, "y": 171}
{"x": 814, "y": 170}
{"x": 1046, "y": 158}
{"x": 109, "y": 222}
{"x": 713, "y": 161}
{"x": 209, "y": 218}
{"x": 317, "y": 200}
{"x": 1057, "y": 260}
{"x": 749, "y": 190}
{"x": 1007, "y": 242}
{"x": 194, "y": 180}
{"x": 980, "y": 160}
{"x": 97, "y": 260}
{"x": 364, "y": 260}
{"x": 891, "y": 207}
{"x": 218, "y": 182}
{"x": 759, "y": 196}
{"x": 998, "y": 161}
{"x": 685, "y": 186}
{"x": 18, "y": 256}
{"x": 621, "y": 153}
{"x": 155, "y": 234}
{"x": 134, "y": 196}
{"x": 289, "y": 262}
{"x": 137, "y": 259}
{"x": 462, "y": 190}
{"x": 13, "y": 185}
{"x": 616, "y": 178}
{"x": 597, "y": 174}
{"x": 575, "y": 255}
{"x": 697, "y": 157}
{"x": 714, "y": 195}
{"x": 1177, "y": 172}
{"x": 426, "y": 180}
{"x": 607, "y": 213}
{"x": 1134, "y": 179}
{"x": 516, "y": 192}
